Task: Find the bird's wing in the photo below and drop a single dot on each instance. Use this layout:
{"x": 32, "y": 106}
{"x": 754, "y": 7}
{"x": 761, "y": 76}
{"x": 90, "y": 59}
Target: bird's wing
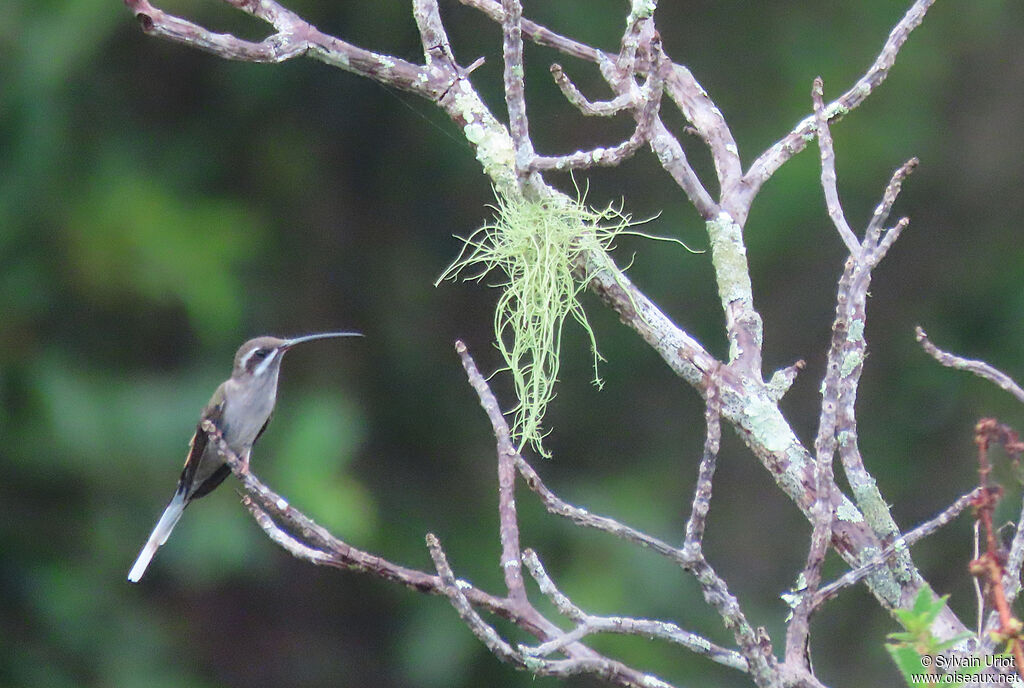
{"x": 195, "y": 483}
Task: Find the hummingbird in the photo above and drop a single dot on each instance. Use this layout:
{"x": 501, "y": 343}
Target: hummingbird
{"x": 240, "y": 409}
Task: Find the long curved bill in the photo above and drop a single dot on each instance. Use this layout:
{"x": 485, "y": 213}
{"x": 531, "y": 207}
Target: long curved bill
{"x": 289, "y": 343}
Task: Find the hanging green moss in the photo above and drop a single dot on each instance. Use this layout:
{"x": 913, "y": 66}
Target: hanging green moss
{"x": 535, "y": 244}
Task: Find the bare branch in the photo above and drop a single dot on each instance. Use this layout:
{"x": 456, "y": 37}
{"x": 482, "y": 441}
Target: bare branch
{"x": 647, "y": 106}
{"x": 588, "y": 624}
{"x": 292, "y": 527}
{"x": 539, "y": 34}
{"x": 293, "y": 38}
{"x": 639, "y": 22}
{"x": 743, "y": 323}
{"x": 839, "y": 391}
{"x": 552, "y": 502}
{"x": 828, "y": 172}
{"x": 838, "y": 422}
{"x": 698, "y": 108}
{"x": 673, "y": 159}
{"x": 282, "y": 538}
{"x": 821, "y": 514}
{"x": 755, "y": 649}
{"x": 881, "y": 214}
{"x": 591, "y": 664}
{"x": 683, "y": 354}
{"x": 276, "y": 48}
{"x": 561, "y": 601}
{"x": 453, "y": 589}
{"x": 697, "y": 521}
{"x": 507, "y": 454}
{"x": 608, "y": 108}
{"x": 688, "y": 359}
{"x": 598, "y": 157}
{"x": 795, "y": 141}
{"x": 979, "y": 368}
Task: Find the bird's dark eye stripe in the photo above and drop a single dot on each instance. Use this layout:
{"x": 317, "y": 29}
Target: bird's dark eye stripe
{"x": 255, "y": 357}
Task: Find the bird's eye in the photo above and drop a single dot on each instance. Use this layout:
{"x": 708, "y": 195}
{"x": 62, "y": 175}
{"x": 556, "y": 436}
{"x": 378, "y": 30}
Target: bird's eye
{"x": 260, "y": 354}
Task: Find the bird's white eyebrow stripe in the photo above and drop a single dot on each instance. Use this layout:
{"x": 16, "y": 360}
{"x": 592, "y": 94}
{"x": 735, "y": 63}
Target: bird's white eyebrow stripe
{"x": 265, "y": 363}
{"x": 244, "y": 363}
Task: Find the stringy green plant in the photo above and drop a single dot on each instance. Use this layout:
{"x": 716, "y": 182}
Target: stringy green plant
{"x": 535, "y": 245}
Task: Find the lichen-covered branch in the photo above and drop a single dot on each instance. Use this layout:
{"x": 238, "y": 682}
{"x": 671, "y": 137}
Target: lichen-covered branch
{"x": 799, "y": 627}
{"x": 838, "y": 423}
{"x": 902, "y": 543}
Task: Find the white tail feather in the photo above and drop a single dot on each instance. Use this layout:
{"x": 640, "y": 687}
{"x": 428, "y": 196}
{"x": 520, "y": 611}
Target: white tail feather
{"x": 159, "y": 536}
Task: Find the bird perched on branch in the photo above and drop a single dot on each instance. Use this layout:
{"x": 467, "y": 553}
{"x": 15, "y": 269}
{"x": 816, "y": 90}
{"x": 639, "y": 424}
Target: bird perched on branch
{"x": 240, "y": 409}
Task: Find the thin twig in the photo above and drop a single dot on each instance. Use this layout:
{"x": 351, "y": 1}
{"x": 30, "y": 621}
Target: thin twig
{"x": 586, "y": 107}
{"x": 795, "y": 141}
{"x": 828, "y": 172}
{"x": 291, "y": 524}
{"x": 506, "y": 451}
{"x": 588, "y": 624}
{"x": 701, "y": 504}
{"x": 821, "y": 513}
{"x": 647, "y": 108}
{"x": 480, "y": 628}
{"x": 295, "y": 37}
{"x": 979, "y": 368}
{"x": 282, "y": 538}
{"x": 541, "y": 35}
{"x": 882, "y": 210}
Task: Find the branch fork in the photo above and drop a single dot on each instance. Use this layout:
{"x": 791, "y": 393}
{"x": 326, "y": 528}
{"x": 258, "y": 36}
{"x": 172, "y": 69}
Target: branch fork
{"x": 639, "y": 74}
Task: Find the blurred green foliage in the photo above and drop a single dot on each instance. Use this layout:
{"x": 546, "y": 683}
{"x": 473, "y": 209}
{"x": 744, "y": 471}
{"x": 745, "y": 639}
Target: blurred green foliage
{"x": 158, "y": 206}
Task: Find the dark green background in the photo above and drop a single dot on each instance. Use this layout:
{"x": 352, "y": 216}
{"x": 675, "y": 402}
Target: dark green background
{"x": 158, "y": 206}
